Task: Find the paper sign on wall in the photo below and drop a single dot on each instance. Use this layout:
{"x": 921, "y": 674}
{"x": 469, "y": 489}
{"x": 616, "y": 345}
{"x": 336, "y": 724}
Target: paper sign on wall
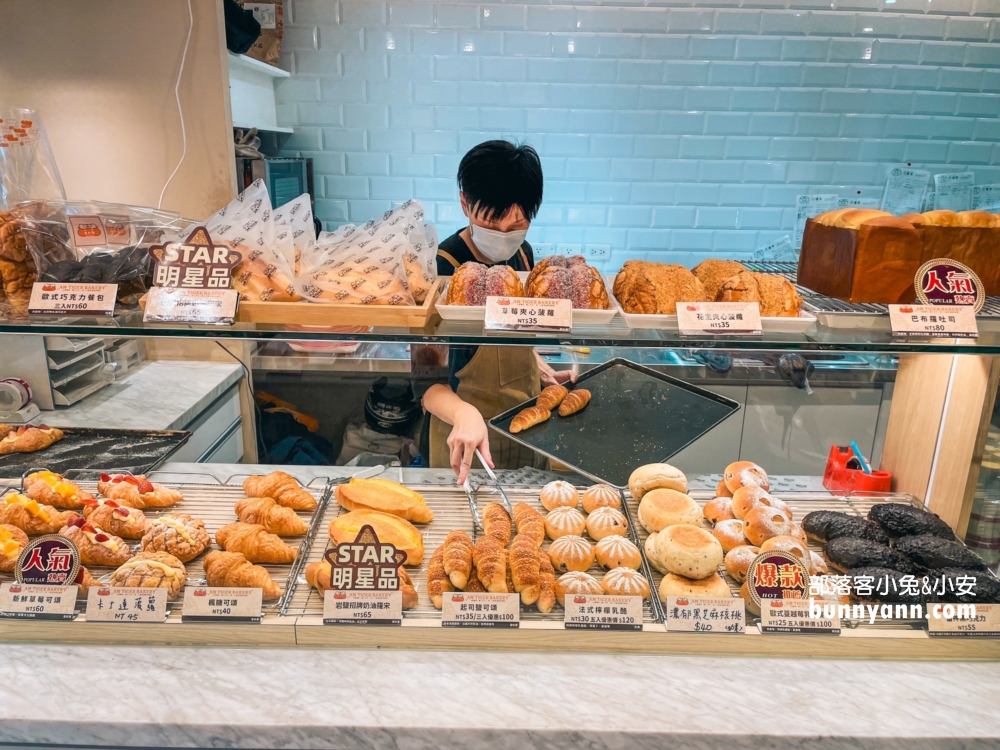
{"x": 808, "y": 206}
{"x": 904, "y": 190}
{"x": 953, "y": 191}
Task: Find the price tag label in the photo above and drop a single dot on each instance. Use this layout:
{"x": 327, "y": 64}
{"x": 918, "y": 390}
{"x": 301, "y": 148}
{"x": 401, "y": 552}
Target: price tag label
{"x": 463, "y": 610}
{"x": 727, "y": 318}
{"x": 363, "y": 608}
{"x": 51, "y": 298}
{"x": 948, "y": 321}
{"x": 978, "y": 620}
{"x": 687, "y": 614}
{"x": 586, "y": 612}
{"x": 29, "y": 602}
{"x": 210, "y": 604}
{"x": 793, "y": 616}
{"x": 528, "y": 314}
{"x": 207, "y": 306}
{"x": 119, "y": 604}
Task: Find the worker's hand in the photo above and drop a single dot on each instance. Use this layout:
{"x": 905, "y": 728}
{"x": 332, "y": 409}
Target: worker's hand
{"x": 468, "y": 433}
{"x": 548, "y": 376}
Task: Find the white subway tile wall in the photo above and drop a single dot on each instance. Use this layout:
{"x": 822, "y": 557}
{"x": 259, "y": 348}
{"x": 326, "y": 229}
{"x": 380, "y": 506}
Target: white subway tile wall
{"x": 669, "y": 131}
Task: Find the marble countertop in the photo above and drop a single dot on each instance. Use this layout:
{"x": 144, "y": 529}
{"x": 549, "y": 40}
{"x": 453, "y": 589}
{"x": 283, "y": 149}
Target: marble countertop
{"x": 161, "y": 395}
{"x": 266, "y": 698}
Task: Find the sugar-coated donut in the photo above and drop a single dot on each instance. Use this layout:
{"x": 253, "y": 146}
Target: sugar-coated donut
{"x": 719, "y": 509}
{"x": 606, "y": 522}
{"x": 564, "y": 520}
{"x": 746, "y": 498}
{"x": 571, "y": 553}
{"x": 738, "y": 559}
{"x": 762, "y": 522}
{"x": 576, "y": 582}
{"x": 558, "y": 494}
{"x": 713, "y": 587}
{"x": 730, "y": 534}
{"x": 625, "y": 582}
{"x": 689, "y": 551}
{"x": 617, "y": 552}
{"x": 788, "y": 544}
{"x": 601, "y": 496}
{"x": 661, "y": 508}
{"x": 744, "y": 474}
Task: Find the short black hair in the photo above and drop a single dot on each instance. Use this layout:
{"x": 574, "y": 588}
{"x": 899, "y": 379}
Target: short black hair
{"x": 495, "y": 176}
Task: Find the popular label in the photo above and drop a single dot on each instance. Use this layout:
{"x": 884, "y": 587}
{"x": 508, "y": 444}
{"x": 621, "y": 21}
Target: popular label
{"x": 196, "y": 263}
{"x": 528, "y": 314}
{"x": 366, "y": 564}
{"x": 49, "y": 560}
{"x": 777, "y": 575}
{"x": 947, "y": 282}
{"x": 727, "y": 318}
{"x": 28, "y": 602}
{"x": 603, "y": 612}
{"x": 952, "y": 321}
{"x": 363, "y": 608}
{"x": 688, "y": 614}
{"x": 792, "y": 616}
{"x": 480, "y": 610}
{"x": 206, "y": 306}
{"x": 57, "y": 298}
{"x": 118, "y": 604}
{"x": 211, "y": 604}
{"x": 984, "y": 623}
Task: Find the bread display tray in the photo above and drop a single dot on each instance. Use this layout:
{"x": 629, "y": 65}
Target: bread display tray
{"x": 329, "y": 314}
{"x": 580, "y": 317}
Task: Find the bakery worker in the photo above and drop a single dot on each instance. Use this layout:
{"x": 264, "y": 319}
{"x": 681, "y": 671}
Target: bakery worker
{"x": 500, "y": 186}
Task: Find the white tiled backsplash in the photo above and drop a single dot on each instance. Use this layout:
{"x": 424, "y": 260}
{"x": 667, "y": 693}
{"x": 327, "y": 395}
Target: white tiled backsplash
{"x": 671, "y": 131}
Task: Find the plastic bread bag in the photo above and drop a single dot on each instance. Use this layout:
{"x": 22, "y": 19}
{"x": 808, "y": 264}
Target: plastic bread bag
{"x": 248, "y": 226}
{"x": 27, "y": 168}
{"x": 388, "y": 261}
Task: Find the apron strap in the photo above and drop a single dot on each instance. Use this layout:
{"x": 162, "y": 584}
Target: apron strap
{"x": 448, "y": 257}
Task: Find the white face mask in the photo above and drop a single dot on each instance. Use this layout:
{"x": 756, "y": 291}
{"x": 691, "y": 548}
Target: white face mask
{"x": 497, "y": 246}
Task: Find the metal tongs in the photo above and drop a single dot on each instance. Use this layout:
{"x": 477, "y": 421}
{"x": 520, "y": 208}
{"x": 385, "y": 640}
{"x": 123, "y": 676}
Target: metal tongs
{"x": 365, "y": 473}
{"x": 473, "y": 495}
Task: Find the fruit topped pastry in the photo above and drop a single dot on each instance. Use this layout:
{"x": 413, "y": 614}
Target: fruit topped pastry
{"x": 137, "y": 491}
{"x": 128, "y": 523}
{"x": 12, "y": 541}
{"x": 32, "y": 517}
{"x": 97, "y": 547}
{"x": 28, "y": 439}
{"x": 51, "y": 488}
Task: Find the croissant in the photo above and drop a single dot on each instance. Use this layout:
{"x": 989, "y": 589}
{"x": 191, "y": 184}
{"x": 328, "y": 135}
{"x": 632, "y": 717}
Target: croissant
{"x": 491, "y": 564}
{"x": 275, "y": 518}
{"x": 137, "y": 491}
{"x": 85, "y": 581}
{"x": 233, "y": 569}
{"x": 28, "y": 438}
{"x": 255, "y": 543}
{"x": 283, "y": 488}
{"x": 97, "y": 547}
{"x": 496, "y": 522}
{"x": 529, "y": 418}
{"x": 574, "y": 402}
{"x": 318, "y": 576}
{"x": 438, "y": 582}
{"x": 525, "y": 564}
{"x": 128, "y": 523}
{"x": 50, "y": 488}
{"x": 547, "y": 585}
{"x": 181, "y": 535}
{"x": 12, "y": 541}
{"x": 150, "y": 570}
{"x": 529, "y": 523}
{"x": 551, "y": 396}
{"x": 31, "y": 517}
{"x": 385, "y": 496}
{"x": 458, "y": 550}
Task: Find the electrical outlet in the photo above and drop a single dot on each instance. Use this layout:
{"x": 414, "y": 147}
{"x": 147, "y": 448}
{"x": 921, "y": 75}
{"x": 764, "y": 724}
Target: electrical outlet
{"x": 542, "y": 249}
{"x": 568, "y": 248}
{"x": 597, "y": 252}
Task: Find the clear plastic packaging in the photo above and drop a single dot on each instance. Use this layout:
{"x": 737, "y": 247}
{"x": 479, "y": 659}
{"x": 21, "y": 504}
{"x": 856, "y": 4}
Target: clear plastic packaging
{"x": 27, "y": 168}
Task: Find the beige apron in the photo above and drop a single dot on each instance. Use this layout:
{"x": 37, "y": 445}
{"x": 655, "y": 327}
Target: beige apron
{"x": 496, "y": 379}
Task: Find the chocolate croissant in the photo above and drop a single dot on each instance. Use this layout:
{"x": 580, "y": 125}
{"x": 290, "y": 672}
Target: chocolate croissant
{"x": 574, "y": 402}
{"x": 529, "y": 418}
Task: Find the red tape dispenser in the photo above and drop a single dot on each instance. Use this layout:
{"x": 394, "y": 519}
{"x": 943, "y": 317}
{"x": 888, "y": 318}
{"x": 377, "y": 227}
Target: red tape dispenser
{"x": 843, "y": 472}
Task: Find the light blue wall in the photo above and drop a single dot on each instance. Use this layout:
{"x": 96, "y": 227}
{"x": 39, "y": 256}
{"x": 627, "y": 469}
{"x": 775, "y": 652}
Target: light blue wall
{"x": 669, "y": 131}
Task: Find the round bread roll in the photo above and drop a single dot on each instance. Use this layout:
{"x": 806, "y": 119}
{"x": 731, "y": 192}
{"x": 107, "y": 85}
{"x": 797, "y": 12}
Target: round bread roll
{"x": 606, "y": 522}
{"x": 745, "y": 596}
{"x": 576, "y": 583}
{"x": 563, "y": 521}
{"x": 738, "y": 559}
{"x": 661, "y": 508}
{"x": 762, "y": 523}
{"x": 559, "y": 494}
{"x": 617, "y": 552}
{"x": 730, "y": 534}
{"x": 625, "y": 582}
{"x": 746, "y": 498}
{"x": 743, "y": 474}
{"x": 721, "y": 490}
{"x": 798, "y": 532}
{"x": 571, "y": 553}
{"x": 788, "y": 544}
{"x": 712, "y": 587}
{"x": 652, "y": 476}
{"x": 601, "y": 496}
{"x": 650, "y": 547}
{"x": 719, "y": 509}
{"x": 689, "y": 551}
{"x": 817, "y": 565}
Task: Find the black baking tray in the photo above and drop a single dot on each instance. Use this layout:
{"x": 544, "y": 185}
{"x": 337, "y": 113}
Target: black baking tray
{"x": 135, "y": 451}
{"x": 636, "y": 416}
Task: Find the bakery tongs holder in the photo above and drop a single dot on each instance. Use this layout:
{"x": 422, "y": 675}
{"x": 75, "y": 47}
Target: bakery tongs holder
{"x": 472, "y": 495}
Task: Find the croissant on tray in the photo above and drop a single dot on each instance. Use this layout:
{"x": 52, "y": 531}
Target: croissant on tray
{"x": 232, "y": 569}
{"x": 438, "y": 582}
{"x": 457, "y": 558}
{"x": 491, "y": 564}
{"x": 551, "y": 396}
{"x": 121, "y": 520}
{"x": 529, "y": 418}
{"x": 525, "y": 564}
{"x": 529, "y": 523}
{"x": 50, "y": 488}
{"x": 574, "y": 402}
{"x": 31, "y": 517}
{"x": 28, "y": 438}
{"x": 277, "y": 519}
{"x": 496, "y": 522}
{"x": 255, "y": 542}
{"x": 152, "y": 570}
{"x": 283, "y": 488}
{"x": 97, "y": 547}
{"x": 137, "y": 491}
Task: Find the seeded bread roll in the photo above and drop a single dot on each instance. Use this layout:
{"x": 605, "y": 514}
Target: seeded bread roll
{"x": 689, "y": 551}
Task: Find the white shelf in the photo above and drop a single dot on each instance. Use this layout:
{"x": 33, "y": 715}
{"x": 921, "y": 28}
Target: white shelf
{"x": 269, "y": 128}
{"x": 257, "y": 66}
{"x": 251, "y": 93}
